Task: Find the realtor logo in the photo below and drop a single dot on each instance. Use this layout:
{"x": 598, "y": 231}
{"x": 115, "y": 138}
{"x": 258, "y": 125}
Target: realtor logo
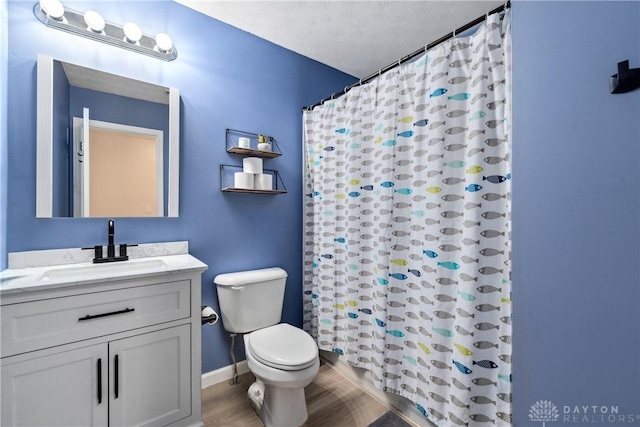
{"x": 543, "y": 410}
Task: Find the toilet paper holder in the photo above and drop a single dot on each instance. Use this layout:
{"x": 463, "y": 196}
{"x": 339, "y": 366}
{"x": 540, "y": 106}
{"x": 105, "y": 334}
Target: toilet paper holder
{"x": 209, "y": 316}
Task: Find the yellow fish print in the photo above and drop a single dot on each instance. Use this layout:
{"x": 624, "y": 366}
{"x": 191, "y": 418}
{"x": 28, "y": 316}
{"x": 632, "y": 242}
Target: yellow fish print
{"x": 475, "y": 169}
{"x": 424, "y": 348}
{"x": 407, "y": 119}
{"x": 434, "y": 189}
{"x": 401, "y": 262}
{"x": 463, "y": 350}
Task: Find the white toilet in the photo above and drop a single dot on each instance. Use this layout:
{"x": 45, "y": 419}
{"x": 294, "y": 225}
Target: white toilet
{"x": 283, "y": 358}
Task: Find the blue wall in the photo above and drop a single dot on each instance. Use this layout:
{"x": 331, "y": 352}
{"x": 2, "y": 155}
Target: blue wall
{"x": 576, "y": 211}
{"x": 4, "y": 55}
{"x": 227, "y": 79}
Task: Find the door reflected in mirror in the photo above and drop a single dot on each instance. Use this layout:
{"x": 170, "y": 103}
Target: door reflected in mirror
{"x": 111, "y": 146}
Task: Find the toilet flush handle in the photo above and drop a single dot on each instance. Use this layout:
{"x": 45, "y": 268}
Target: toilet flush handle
{"x": 237, "y": 288}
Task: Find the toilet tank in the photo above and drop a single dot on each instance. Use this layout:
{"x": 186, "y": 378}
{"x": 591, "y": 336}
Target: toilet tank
{"x": 251, "y": 300}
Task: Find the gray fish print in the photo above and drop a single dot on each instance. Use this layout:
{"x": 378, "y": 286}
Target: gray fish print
{"x": 430, "y": 237}
{"x": 460, "y": 384}
{"x": 436, "y": 108}
{"x": 443, "y": 315}
{"x": 468, "y": 278}
{"x": 492, "y": 215}
{"x": 448, "y": 231}
{"x": 412, "y": 285}
{"x": 439, "y": 60}
{"x": 452, "y": 180}
{"x": 482, "y": 400}
{"x": 435, "y": 125}
{"x": 420, "y": 168}
{"x": 451, "y": 214}
{"x": 455, "y": 130}
{"x": 439, "y": 381}
{"x": 476, "y": 133}
{"x": 423, "y": 331}
{"x": 419, "y": 375}
{"x": 449, "y": 248}
{"x": 476, "y": 97}
{"x": 468, "y": 242}
{"x": 457, "y": 113}
{"x": 489, "y": 270}
{"x": 457, "y": 420}
{"x": 433, "y": 173}
{"x": 445, "y": 298}
{"x": 463, "y": 331}
{"x": 436, "y": 76}
{"x": 390, "y": 376}
{"x": 452, "y": 197}
{"x": 483, "y": 381}
{"x": 479, "y": 79}
{"x": 409, "y": 373}
{"x": 426, "y": 300}
{"x": 425, "y": 316}
{"x": 475, "y": 151}
{"x": 491, "y": 197}
{"x": 492, "y": 160}
{"x": 445, "y": 281}
{"x": 407, "y": 388}
{"x": 459, "y": 403}
{"x": 494, "y": 104}
{"x": 485, "y": 326}
{"x": 494, "y": 123}
{"x": 481, "y": 418}
{"x": 440, "y": 365}
{"x": 494, "y": 142}
{"x": 411, "y": 330}
{"x": 455, "y": 147}
{"x": 487, "y": 289}
{"x": 482, "y": 345}
{"x": 422, "y": 107}
{"x": 505, "y": 417}
{"x": 420, "y": 153}
{"x": 458, "y": 80}
{"x": 415, "y": 257}
{"x": 505, "y": 339}
{"x": 468, "y": 223}
{"x": 506, "y": 358}
{"x": 463, "y": 313}
{"x": 433, "y": 157}
{"x": 410, "y": 344}
{"x": 505, "y": 397}
{"x": 487, "y": 307}
{"x": 459, "y": 63}
{"x": 438, "y": 398}
{"x": 471, "y": 205}
{"x": 460, "y": 46}
{"x": 468, "y": 260}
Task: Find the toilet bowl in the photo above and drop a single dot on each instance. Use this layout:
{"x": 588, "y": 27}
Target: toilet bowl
{"x": 284, "y": 359}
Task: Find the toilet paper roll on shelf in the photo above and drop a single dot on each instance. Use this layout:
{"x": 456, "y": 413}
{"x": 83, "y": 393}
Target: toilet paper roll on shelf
{"x": 252, "y": 165}
{"x": 263, "y": 181}
{"x": 243, "y": 180}
{"x": 209, "y": 316}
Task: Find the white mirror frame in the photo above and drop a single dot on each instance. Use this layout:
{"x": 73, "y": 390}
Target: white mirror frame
{"x": 44, "y": 145}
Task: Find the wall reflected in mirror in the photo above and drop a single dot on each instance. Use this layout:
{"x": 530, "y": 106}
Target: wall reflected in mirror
{"x": 113, "y": 144}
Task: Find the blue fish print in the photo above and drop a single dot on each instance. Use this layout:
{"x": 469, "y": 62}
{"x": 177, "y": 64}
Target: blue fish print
{"x": 329, "y": 148}
{"x": 459, "y": 96}
{"x": 406, "y": 134}
{"x": 422, "y": 410}
{"x": 411, "y": 360}
{"x": 387, "y": 184}
{"x": 327, "y": 256}
{"x": 367, "y": 187}
{"x": 505, "y": 377}
{"x": 354, "y": 194}
{"x": 486, "y": 364}
{"x": 496, "y": 179}
{"x": 508, "y": 176}
{"x": 352, "y": 315}
{"x": 314, "y": 295}
{"x": 438, "y": 92}
{"x": 462, "y": 368}
{"x": 429, "y": 253}
{"x": 398, "y": 276}
{"x": 395, "y": 333}
{"x": 391, "y": 142}
{"x": 415, "y": 272}
{"x": 449, "y": 265}
{"x": 365, "y": 310}
{"x": 405, "y": 191}
{"x": 422, "y": 122}
{"x": 338, "y": 350}
{"x": 380, "y": 323}
{"x": 340, "y": 240}
{"x": 343, "y": 130}
{"x": 382, "y": 281}
{"x": 471, "y": 188}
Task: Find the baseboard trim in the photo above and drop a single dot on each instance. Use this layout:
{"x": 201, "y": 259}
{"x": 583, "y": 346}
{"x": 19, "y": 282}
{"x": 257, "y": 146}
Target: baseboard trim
{"x": 223, "y": 374}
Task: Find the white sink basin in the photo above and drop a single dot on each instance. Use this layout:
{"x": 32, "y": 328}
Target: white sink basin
{"x": 107, "y": 269}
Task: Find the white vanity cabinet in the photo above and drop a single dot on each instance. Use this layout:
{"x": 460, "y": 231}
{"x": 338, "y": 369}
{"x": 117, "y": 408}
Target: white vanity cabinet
{"x": 112, "y": 353}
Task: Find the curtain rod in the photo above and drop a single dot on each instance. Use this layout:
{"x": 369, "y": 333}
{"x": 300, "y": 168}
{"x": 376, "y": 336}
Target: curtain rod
{"x": 412, "y": 55}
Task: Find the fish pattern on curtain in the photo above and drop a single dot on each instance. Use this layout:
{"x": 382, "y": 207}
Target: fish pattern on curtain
{"x": 407, "y": 228}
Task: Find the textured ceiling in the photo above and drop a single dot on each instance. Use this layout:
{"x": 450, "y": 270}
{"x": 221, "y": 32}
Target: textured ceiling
{"x": 356, "y": 37}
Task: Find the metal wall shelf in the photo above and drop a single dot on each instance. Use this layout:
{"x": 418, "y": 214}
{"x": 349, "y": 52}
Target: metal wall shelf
{"x": 231, "y": 141}
{"x": 226, "y": 181}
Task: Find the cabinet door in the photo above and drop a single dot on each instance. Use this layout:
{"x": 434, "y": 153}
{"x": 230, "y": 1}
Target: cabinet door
{"x": 151, "y": 378}
{"x": 63, "y": 389}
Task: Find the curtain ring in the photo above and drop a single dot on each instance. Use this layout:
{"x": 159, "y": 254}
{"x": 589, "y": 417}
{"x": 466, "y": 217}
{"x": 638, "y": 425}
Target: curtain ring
{"x": 360, "y": 82}
{"x": 379, "y": 72}
{"x": 454, "y": 34}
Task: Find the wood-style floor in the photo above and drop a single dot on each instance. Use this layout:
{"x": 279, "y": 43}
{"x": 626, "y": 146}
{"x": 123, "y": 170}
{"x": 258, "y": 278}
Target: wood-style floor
{"x": 332, "y": 401}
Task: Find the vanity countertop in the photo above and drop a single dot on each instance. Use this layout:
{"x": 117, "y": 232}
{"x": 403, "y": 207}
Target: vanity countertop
{"x": 61, "y": 268}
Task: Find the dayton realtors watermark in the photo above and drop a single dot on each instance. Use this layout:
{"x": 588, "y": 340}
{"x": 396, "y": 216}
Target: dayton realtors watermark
{"x": 546, "y": 411}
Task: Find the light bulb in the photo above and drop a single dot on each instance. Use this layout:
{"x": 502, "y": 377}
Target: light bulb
{"x": 52, "y": 8}
{"x": 132, "y": 33}
{"x": 163, "y": 42}
{"x": 94, "y": 21}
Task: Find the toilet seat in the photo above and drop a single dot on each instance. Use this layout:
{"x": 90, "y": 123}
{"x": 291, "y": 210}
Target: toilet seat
{"x": 283, "y": 346}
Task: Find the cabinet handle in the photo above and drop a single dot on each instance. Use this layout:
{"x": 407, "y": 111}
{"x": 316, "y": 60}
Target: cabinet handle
{"x": 112, "y": 313}
{"x": 99, "y": 381}
{"x": 115, "y": 375}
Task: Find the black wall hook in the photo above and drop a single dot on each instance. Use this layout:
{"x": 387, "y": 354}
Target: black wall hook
{"x": 626, "y": 80}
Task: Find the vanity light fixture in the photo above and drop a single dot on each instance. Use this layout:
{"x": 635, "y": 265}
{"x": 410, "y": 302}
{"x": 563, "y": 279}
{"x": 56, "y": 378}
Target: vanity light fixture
{"x": 92, "y": 25}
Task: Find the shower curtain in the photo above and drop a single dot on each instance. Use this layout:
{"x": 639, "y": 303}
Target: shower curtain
{"x": 407, "y": 228}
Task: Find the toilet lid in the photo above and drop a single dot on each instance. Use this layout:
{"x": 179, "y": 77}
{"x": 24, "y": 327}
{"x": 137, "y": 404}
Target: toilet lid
{"x": 283, "y": 346}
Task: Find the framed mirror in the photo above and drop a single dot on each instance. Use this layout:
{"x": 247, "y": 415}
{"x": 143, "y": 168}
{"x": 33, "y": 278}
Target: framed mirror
{"x": 107, "y": 145}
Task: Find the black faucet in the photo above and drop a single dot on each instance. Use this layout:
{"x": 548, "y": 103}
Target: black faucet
{"x": 111, "y": 248}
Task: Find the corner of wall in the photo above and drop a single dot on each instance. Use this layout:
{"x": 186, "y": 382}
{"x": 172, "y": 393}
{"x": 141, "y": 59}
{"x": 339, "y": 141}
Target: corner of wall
{"x": 3, "y": 132}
